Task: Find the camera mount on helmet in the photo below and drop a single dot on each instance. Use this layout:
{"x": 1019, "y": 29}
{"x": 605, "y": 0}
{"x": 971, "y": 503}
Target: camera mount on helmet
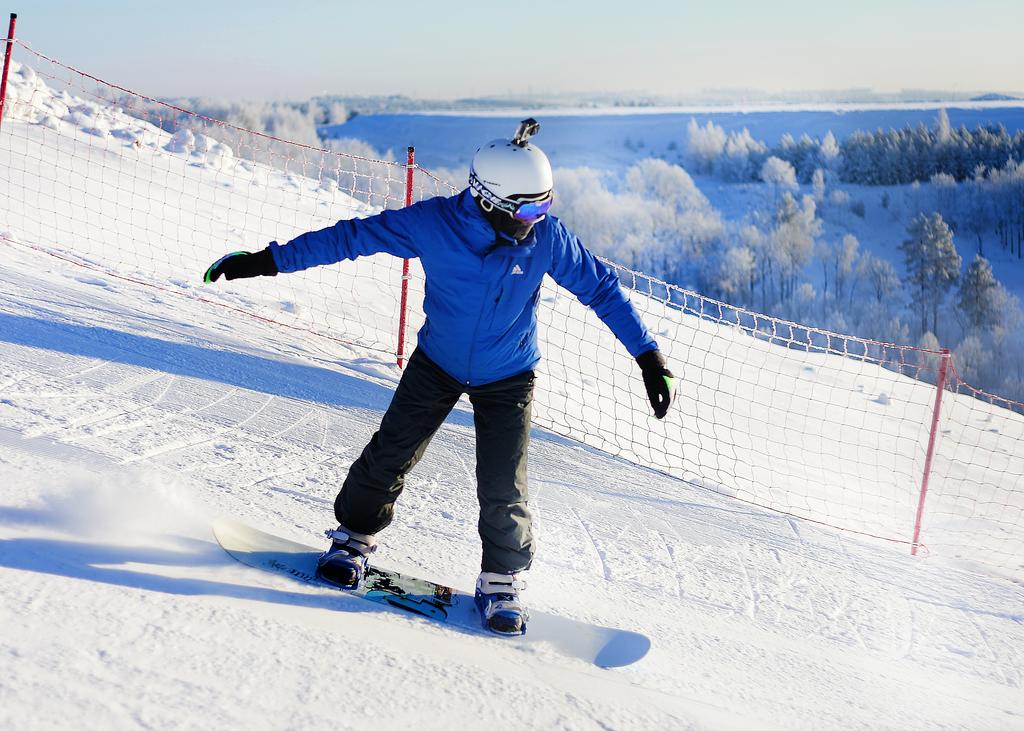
{"x": 527, "y": 129}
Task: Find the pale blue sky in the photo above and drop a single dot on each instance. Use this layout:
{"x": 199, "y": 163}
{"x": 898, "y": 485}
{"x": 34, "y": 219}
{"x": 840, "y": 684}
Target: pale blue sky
{"x": 257, "y": 49}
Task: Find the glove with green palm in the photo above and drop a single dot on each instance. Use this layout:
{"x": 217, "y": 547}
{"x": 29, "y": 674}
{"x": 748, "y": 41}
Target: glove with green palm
{"x": 658, "y": 379}
{"x": 241, "y": 264}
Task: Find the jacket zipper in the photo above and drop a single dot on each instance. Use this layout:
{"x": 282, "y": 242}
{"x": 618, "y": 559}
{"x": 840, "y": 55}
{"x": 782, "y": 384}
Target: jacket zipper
{"x": 479, "y": 318}
{"x": 472, "y": 349}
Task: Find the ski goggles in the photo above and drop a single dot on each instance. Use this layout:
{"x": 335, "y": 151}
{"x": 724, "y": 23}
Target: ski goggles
{"x": 524, "y": 211}
{"x": 533, "y": 211}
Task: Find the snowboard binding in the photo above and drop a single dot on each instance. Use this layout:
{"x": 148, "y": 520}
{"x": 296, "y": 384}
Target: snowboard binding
{"x": 344, "y": 564}
{"x": 497, "y": 600}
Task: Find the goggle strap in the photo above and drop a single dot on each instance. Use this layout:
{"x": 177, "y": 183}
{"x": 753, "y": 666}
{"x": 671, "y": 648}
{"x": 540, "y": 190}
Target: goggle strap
{"x": 509, "y": 207}
{"x": 476, "y": 184}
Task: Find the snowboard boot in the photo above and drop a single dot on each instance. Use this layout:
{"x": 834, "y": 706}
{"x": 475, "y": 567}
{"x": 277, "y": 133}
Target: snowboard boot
{"x": 344, "y": 563}
{"x": 497, "y": 600}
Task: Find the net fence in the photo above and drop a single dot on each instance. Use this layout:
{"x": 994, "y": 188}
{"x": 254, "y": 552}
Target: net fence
{"x": 808, "y": 423}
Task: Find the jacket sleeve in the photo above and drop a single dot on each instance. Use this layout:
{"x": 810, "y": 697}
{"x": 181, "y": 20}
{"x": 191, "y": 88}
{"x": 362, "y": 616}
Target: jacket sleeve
{"x": 389, "y": 232}
{"x": 597, "y": 286}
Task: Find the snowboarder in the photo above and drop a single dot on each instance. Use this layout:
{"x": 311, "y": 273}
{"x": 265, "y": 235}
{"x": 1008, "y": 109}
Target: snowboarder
{"x": 484, "y": 253}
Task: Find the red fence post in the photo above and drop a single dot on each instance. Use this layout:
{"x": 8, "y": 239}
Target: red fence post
{"x": 410, "y": 165}
{"x": 940, "y": 386}
{"x": 7, "y": 64}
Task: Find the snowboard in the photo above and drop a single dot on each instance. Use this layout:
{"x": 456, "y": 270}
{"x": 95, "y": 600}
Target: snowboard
{"x": 605, "y": 647}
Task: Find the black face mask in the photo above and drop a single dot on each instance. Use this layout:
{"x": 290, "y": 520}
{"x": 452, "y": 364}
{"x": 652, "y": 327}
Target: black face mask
{"x": 508, "y": 229}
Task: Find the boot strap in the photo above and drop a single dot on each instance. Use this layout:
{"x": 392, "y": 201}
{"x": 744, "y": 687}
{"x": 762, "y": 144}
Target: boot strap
{"x": 363, "y": 544}
{"x": 502, "y": 606}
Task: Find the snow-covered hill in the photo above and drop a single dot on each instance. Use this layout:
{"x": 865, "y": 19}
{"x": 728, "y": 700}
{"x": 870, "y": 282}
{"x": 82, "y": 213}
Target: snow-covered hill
{"x": 131, "y": 416}
{"x": 129, "y": 421}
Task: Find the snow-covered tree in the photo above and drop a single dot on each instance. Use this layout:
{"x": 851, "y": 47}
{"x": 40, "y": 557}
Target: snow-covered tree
{"x": 735, "y": 274}
{"x": 793, "y": 237}
{"x": 704, "y": 146}
{"x": 982, "y": 301}
{"x": 844, "y": 267}
{"x": 932, "y": 266}
{"x": 929, "y": 362}
{"x": 943, "y": 131}
{"x": 779, "y": 174}
{"x": 973, "y": 359}
{"x": 686, "y": 223}
{"x": 335, "y": 113}
{"x": 741, "y": 156}
{"x": 978, "y": 209}
{"x": 840, "y": 268}
{"x": 1005, "y": 189}
{"x": 659, "y": 222}
{"x": 945, "y": 190}
{"x": 801, "y": 303}
{"x": 880, "y": 276}
{"x": 735, "y": 156}
{"x": 662, "y": 181}
{"x": 818, "y": 186}
{"x": 754, "y": 240}
{"x": 830, "y": 151}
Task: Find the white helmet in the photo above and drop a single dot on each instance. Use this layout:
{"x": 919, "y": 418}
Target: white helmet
{"x": 513, "y": 176}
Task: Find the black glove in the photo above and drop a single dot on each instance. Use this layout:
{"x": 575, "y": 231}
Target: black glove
{"x": 241, "y": 264}
{"x": 658, "y": 379}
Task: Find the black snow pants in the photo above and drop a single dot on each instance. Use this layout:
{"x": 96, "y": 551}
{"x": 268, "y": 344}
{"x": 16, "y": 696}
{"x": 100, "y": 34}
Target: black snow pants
{"x": 425, "y": 396}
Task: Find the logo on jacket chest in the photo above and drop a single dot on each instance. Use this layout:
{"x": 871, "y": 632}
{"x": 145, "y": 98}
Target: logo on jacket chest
{"x": 517, "y": 269}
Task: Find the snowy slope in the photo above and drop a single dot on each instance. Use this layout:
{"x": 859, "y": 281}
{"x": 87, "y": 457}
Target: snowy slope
{"x": 131, "y": 416}
{"x": 129, "y": 421}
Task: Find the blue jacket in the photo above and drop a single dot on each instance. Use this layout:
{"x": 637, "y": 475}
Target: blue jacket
{"x": 481, "y": 298}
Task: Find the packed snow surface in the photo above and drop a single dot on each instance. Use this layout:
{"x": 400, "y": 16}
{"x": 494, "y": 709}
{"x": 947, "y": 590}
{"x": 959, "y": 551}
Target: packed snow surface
{"x": 131, "y": 417}
{"x": 131, "y": 420}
